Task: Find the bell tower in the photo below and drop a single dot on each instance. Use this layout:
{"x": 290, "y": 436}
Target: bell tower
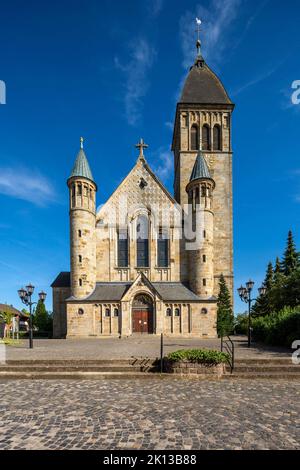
{"x": 82, "y": 199}
{"x": 203, "y": 122}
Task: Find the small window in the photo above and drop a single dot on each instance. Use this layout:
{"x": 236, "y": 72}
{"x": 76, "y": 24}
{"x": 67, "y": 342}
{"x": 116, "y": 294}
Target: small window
{"x": 204, "y": 233}
{"x": 204, "y": 258}
{"x": 79, "y": 233}
{"x": 79, "y": 258}
{"x": 194, "y": 138}
{"x": 91, "y": 193}
{"x": 204, "y": 311}
{"x": 73, "y": 190}
{"x": 80, "y": 311}
{"x": 205, "y": 137}
{"x": 217, "y": 137}
{"x": 80, "y": 282}
{"x": 116, "y": 312}
{"x": 203, "y": 191}
{"x": 107, "y": 312}
{"x": 204, "y": 282}
{"x": 177, "y": 312}
{"x": 79, "y": 190}
{"x": 168, "y": 312}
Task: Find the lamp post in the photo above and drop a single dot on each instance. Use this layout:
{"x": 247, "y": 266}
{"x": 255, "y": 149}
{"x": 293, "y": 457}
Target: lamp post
{"x": 26, "y": 298}
{"x": 245, "y": 296}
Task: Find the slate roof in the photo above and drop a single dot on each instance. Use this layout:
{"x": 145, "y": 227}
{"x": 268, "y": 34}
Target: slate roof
{"x": 62, "y": 280}
{"x": 202, "y": 86}
{"x": 200, "y": 169}
{"x": 81, "y": 167}
{"x": 11, "y": 309}
{"x": 114, "y": 291}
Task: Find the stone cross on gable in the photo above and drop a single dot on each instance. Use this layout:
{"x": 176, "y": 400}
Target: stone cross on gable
{"x": 141, "y": 145}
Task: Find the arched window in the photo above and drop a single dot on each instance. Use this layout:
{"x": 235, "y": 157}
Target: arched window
{"x": 194, "y": 137}
{"x": 142, "y": 242}
{"x": 168, "y": 312}
{"x": 204, "y": 311}
{"x": 205, "y": 137}
{"x": 80, "y": 282}
{"x": 177, "y": 312}
{"x": 163, "y": 248}
{"x": 80, "y": 311}
{"x": 116, "y": 312}
{"x": 217, "y": 137}
{"x": 107, "y": 312}
{"x": 123, "y": 248}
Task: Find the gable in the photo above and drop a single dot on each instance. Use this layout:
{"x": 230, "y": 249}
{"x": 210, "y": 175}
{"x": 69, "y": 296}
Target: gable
{"x": 140, "y": 189}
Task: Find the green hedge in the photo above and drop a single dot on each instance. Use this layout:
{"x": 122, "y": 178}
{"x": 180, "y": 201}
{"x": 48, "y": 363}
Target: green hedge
{"x": 203, "y": 356}
{"x": 278, "y": 329}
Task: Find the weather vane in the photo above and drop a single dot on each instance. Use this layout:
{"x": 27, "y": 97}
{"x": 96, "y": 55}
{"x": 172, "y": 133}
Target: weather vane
{"x": 198, "y": 43}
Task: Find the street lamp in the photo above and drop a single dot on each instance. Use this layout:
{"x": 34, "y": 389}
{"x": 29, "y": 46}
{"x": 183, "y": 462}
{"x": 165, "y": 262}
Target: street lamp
{"x": 25, "y": 296}
{"x": 245, "y": 296}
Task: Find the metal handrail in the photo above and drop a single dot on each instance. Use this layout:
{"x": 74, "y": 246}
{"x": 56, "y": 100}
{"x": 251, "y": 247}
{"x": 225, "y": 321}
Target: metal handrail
{"x": 228, "y": 346}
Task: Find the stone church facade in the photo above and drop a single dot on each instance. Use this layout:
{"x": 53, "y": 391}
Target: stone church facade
{"x": 148, "y": 262}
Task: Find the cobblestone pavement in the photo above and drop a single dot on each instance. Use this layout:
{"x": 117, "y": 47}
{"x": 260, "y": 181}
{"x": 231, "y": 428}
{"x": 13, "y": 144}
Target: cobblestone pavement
{"x": 103, "y": 348}
{"x": 149, "y": 414}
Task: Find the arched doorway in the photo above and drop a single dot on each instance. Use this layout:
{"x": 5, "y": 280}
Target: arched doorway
{"x": 142, "y": 314}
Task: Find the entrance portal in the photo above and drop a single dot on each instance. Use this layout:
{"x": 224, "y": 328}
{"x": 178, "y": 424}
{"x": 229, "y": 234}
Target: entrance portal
{"x": 142, "y": 314}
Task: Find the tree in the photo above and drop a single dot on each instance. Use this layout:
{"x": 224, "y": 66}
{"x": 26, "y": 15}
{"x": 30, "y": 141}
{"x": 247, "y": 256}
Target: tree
{"x": 264, "y": 306}
{"x": 290, "y": 260}
{"x": 225, "y": 313}
{"x": 41, "y": 316}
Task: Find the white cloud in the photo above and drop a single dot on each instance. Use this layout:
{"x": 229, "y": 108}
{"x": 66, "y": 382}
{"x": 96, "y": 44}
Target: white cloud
{"x": 164, "y": 164}
{"x": 216, "y": 19}
{"x": 27, "y": 185}
{"x": 141, "y": 57}
{"x": 259, "y": 78}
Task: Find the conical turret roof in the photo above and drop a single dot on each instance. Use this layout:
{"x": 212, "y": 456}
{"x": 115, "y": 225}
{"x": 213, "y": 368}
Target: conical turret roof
{"x": 200, "y": 169}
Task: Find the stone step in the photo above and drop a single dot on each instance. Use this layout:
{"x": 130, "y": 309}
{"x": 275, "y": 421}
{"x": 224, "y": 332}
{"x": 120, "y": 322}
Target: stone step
{"x": 266, "y": 368}
{"x": 80, "y": 362}
{"x": 263, "y": 375}
{"x": 77, "y": 375}
{"x": 79, "y": 368}
{"x": 263, "y": 360}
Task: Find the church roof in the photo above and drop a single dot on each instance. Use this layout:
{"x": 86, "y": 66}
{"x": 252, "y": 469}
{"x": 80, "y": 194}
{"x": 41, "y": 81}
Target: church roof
{"x": 62, "y": 280}
{"x": 202, "y": 86}
{"x": 114, "y": 291}
{"x": 200, "y": 169}
{"x": 81, "y": 167}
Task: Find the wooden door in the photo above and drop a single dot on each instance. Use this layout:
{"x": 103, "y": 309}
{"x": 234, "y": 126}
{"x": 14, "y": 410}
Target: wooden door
{"x": 142, "y": 321}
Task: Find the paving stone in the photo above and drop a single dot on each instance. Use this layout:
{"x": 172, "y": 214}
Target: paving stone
{"x": 170, "y": 414}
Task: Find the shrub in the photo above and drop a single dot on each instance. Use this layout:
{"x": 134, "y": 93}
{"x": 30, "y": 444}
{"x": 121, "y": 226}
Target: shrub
{"x": 278, "y": 329}
{"x": 201, "y": 356}
{"x": 241, "y": 324}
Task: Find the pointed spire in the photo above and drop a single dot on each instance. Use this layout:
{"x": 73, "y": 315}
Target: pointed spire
{"x": 81, "y": 166}
{"x": 200, "y": 169}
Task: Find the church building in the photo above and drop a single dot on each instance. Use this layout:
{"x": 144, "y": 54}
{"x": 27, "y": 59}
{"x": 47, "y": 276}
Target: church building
{"x": 148, "y": 262}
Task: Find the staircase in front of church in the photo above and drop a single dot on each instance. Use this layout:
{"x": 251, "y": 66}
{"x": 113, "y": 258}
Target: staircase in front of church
{"x": 277, "y": 368}
{"x": 79, "y": 369}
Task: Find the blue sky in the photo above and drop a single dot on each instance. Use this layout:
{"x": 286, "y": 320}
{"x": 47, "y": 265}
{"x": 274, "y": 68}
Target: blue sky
{"x": 112, "y": 71}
